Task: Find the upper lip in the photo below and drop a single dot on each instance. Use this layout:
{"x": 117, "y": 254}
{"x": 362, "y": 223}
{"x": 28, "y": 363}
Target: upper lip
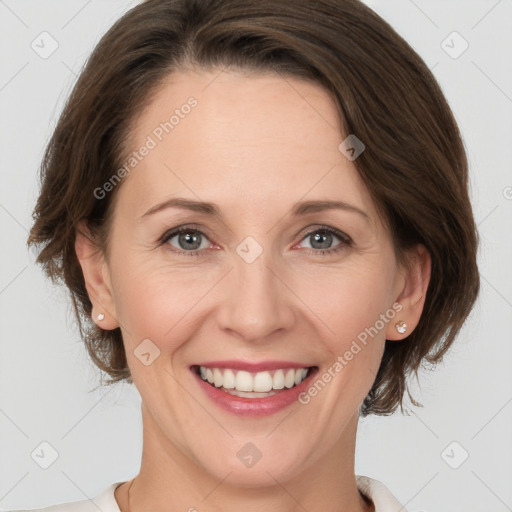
{"x": 253, "y": 367}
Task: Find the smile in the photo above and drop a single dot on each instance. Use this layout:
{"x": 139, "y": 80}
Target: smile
{"x": 253, "y": 393}
{"x": 248, "y": 382}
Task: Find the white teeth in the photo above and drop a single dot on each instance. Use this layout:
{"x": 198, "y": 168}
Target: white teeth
{"x": 243, "y": 381}
{"x": 278, "y": 380}
{"x": 260, "y": 382}
{"x": 249, "y": 394}
{"x": 217, "y": 378}
{"x": 289, "y": 379}
{"x": 300, "y": 375}
{"x": 229, "y": 379}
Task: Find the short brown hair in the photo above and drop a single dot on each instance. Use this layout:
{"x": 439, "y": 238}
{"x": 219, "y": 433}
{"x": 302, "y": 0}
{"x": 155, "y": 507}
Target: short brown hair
{"x": 414, "y": 165}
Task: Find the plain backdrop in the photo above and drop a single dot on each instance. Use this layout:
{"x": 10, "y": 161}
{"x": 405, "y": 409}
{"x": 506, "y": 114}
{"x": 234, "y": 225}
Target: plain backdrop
{"x": 453, "y": 454}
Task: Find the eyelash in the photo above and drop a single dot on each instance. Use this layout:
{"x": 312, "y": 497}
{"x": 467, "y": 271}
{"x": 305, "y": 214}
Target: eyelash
{"x": 346, "y": 241}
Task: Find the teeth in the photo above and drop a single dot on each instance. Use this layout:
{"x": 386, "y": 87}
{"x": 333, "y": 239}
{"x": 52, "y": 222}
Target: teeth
{"x": 249, "y": 394}
{"x": 229, "y": 380}
{"x": 260, "y": 382}
{"x": 278, "y": 380}
{"x": 243, "y": 381}
{"x": 217, "y": 378}
{"x": 289, "y": 378}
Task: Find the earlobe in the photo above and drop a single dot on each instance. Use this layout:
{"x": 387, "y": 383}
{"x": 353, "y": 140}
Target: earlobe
{"x": 411, "y": 296}
{"x": 96, "y": 277}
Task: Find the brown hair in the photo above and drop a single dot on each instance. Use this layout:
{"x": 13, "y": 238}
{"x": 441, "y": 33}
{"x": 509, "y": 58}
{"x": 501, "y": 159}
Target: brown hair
{"x": 414, "y": 164}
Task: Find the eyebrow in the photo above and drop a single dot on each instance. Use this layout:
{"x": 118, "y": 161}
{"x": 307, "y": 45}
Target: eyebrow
{"x": 207, "y": 208}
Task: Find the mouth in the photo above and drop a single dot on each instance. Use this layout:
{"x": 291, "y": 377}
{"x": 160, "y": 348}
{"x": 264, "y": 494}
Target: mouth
{"x": 247, "y": 388}
{"x": 253, "y": 385}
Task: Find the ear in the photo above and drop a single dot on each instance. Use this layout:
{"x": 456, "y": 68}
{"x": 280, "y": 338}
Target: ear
{"x": 411, "y": 291}
{"x": 96, "y": 277}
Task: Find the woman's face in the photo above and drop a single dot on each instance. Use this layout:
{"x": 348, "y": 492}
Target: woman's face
{"x": 256, "y": 282}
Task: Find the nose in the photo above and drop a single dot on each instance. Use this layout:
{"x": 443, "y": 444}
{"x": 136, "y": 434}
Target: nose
{"x": 257, "y": 301}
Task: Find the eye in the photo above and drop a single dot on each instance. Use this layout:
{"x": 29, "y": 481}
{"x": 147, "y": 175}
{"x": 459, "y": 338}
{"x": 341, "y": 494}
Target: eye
{"x": 189, "y": 241}
{"x": 321, "y": 239}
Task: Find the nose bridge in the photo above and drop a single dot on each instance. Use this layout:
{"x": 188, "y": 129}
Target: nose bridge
{"x": 258, "y": 303}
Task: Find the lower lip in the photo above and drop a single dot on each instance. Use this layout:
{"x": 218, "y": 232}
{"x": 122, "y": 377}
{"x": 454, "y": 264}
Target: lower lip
{"x": 264, "y": 406}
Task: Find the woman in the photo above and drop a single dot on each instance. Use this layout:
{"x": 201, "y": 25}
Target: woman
{"x": 260, "y": 209}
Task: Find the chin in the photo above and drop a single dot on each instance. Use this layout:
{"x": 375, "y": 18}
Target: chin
{"x": 273, "y": 465}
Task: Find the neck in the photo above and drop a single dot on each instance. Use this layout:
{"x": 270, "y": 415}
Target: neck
{"x": 170, "y": 480}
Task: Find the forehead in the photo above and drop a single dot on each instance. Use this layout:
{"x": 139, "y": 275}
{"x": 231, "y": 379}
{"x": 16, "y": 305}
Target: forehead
{"x": 243, "y": 106}
{"x": 238, "y": 134}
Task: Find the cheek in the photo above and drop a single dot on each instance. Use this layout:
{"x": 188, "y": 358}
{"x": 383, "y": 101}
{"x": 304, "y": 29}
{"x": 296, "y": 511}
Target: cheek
{"x": 143, "y": 300}
{"x": 351, "y": 298}
{"x": 151, "y": 307}
{"x": 155, "y": 310}
{"x": 354, "y": 303}
{"x": 159, "y": 302}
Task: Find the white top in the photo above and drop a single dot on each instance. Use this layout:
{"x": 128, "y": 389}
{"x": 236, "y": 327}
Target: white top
{"x": 105, "y": 501}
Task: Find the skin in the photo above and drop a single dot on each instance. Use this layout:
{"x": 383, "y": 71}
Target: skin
{"x": 255, "y": 145}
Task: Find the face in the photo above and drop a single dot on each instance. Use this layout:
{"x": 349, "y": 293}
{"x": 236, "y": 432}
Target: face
{"x": 255, "y": 282}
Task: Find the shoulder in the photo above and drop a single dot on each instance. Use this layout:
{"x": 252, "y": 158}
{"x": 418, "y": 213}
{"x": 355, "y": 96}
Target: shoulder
{"x": 381, "y": 496}
{"x": 104, "y": 501}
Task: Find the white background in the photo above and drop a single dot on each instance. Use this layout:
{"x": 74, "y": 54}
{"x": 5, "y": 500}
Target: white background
{"x": 47, "y": 382}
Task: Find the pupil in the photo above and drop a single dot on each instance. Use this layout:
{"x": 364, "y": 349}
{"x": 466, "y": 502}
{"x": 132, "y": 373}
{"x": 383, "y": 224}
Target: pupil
{"x": 188, "y": 238}
{"x": 324, "y": 235}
